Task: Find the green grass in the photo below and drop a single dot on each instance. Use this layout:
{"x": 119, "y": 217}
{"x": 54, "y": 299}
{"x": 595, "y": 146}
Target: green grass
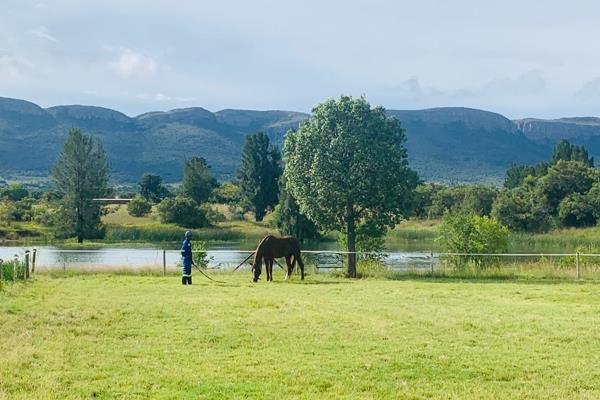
{"x": 20, "y": 231}
{"x": 558, "y": 240}
{"x": 417, "y": 235}
{"x": 122, "y": 227}
{"x": 113, "y": 336}
{"x": 421, "y": 235}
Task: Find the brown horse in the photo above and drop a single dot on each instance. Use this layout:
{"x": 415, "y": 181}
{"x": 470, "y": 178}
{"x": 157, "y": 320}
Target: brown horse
{"x": 272, "y": 247}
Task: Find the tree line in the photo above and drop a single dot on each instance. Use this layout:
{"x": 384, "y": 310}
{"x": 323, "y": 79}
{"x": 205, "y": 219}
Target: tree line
{"x": 344, "y": 169}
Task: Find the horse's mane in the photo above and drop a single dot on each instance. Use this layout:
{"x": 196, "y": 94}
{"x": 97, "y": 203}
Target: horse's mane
{"x": 259, "y": 250}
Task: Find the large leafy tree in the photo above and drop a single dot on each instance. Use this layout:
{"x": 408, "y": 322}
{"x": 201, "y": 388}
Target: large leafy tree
{"x": 81, "y": 174}
{"x": 198, "y": 180}
{"x": 523, "y": 208}
{"x": 151, "y": 188}
{"x": 565, "y": 178}
{"x": 259, "y": 175}
{"x": 347, "y": 168}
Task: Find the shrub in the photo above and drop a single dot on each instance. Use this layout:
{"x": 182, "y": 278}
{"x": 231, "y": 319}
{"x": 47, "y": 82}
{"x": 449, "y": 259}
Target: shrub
{"x": 14, "y": 192}
{"x": 182, "y": 211}
{"x": 138, "y": 207}
{"x": 575, "y": 211}
{"x": 227, "y": 193}
{"x": 43, "y": 215}
{"x": 201, "y": 258}
{"x": 467, "y": 233}
{"x": 235, "y": 213}
{"x": 212, "y": 215}
{"x": 7, "y": 212}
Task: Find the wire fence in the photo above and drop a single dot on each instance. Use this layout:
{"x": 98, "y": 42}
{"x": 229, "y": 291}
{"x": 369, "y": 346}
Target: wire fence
{"x": 25, "y": 262}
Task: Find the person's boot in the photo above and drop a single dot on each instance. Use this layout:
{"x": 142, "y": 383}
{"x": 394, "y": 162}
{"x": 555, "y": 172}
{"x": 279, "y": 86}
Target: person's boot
{"x": 183, "y": 280}
{"x": 189, "y": 280}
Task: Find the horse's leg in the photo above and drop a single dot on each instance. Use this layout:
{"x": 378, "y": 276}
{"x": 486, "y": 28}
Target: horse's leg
{"x": 268, "y": 267}
{"x": 271, "y": 268}
{"x": 290, "y": 266}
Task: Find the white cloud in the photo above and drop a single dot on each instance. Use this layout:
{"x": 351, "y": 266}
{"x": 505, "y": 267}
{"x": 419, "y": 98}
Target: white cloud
{"x": 42, "y": 33}
{"x": 163, "y": 97}
{"x": 590, "y": 90}
{"x": 131, "y": 64}
{"x": 13, "y": 69}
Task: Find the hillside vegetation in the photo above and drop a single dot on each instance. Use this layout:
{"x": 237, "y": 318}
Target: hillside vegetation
{"x": 444, "y": 144}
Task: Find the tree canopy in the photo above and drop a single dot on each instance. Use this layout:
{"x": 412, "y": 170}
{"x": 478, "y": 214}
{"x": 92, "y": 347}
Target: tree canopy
{"x": 567, "y": 151}
{"x": 347, "y": 167}
{"x": 152, "y": 189}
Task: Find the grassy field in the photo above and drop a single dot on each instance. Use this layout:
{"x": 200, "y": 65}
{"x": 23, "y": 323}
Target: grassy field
{"x": 103, "y": 336}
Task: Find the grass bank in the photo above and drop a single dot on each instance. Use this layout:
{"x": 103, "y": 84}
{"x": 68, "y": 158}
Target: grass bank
{"x": 132, "y": 337}
{"x": 420, "y": 235}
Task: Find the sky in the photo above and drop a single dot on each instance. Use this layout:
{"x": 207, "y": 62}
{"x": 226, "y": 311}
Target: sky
{"x": 521, "y": 58}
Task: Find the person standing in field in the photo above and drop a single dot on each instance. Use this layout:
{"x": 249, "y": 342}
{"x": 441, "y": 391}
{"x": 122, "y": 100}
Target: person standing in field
{"x": 186, "y": 253}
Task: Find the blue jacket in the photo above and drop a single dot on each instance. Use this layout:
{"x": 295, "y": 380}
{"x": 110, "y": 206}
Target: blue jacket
{"x": 186, "y": 253}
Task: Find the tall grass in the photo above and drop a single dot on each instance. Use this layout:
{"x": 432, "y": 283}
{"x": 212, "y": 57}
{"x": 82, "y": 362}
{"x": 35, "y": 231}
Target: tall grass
{"x": 422, "y": 235}
{"x": 167, "y": 233}
{"x": 560, "y": 240}
{"x": 12, "y": 270}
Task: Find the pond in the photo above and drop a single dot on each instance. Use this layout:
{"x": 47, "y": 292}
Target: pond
{"x": 51, "y": 257}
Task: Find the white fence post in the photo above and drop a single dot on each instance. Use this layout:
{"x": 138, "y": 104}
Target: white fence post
{"x": 577, "y": 264}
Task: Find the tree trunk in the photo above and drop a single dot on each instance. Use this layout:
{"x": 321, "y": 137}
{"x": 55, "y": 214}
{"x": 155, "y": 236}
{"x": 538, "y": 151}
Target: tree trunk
{"x": 351, "y": 241}
{"x": 298, "y": 227}
{"x": 259, "y": 215}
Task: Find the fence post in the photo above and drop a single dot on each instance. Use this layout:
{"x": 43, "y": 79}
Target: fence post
{"x": 164, "y": 263}
{"x": 15, "y": 268}
{"x": 33, "y": 261}
{"x": 1, "y": 272}
{"x": 26, "y": 272}
{"x": 431, "y": 258}
{"x": 577, "y": 264}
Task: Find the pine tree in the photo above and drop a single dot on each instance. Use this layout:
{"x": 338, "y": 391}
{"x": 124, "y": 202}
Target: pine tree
{"x": 198, "y": 181}
{"x": 259, "y": 175}
{"x": 81, "y": 174}
{"x": 290, "y": 221}
{"x": 567, "y": 151}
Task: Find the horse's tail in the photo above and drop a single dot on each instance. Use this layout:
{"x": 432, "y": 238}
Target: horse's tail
{"x": 297, "y": 254}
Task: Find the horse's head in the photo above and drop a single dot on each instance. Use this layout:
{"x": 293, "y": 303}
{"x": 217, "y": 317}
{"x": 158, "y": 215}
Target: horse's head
{"x": 256, "y": 269}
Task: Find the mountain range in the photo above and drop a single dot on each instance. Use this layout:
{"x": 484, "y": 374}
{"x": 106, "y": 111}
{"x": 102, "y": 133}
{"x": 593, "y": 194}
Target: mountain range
{"x": 451, "y": 144}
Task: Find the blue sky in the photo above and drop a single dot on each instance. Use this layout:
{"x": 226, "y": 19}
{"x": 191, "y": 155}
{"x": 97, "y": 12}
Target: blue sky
{"x": 520, "y": 58}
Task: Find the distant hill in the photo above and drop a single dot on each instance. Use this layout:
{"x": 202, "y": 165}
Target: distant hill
{"x": 458, "y": 145}
{"x": 31, "y": 137}
{"x": 444, "y": 144}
